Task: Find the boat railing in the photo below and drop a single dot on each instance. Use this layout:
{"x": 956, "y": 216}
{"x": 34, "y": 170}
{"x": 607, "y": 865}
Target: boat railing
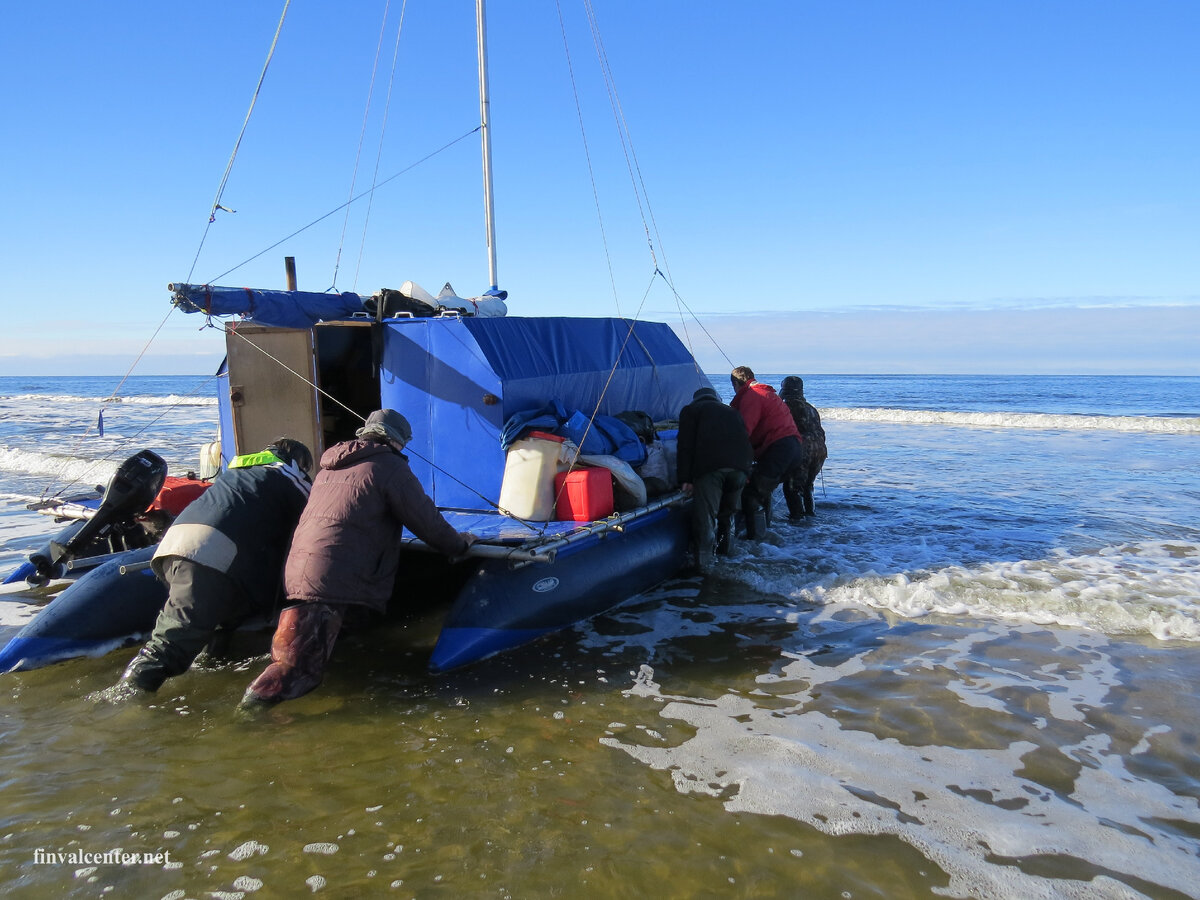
{"x": 544, "y": 548}
{"x": 541, "y": 549}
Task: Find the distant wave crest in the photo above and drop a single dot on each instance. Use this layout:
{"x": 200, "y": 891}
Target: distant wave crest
{"x": 63, "y": 468}
{"x": 1044, "y": 421}
{"x": 60, "y": 399}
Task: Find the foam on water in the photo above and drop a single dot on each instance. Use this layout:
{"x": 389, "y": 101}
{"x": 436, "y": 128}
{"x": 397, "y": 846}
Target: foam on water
{"x": 61, "y": 468}
{"x": 974, "y": 811}
{"x": 1148, "y": 588}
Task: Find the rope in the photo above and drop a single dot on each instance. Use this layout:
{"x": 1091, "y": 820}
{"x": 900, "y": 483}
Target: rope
{"x": 342, "y": 206}
{"x": 232, "y": 329}
{"x": 387, "y": 106}
{"x": 111, "y": 455}
{"x": 362, "y": 133}
{"x": 212, "y": 216}
{"x": 588, "y": 156}
{"x": 637, "y": 180}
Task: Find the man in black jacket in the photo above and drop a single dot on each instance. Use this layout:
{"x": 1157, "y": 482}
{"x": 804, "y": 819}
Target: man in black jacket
{"x": 222, "y": 558}
{"x": 714, "y": 458}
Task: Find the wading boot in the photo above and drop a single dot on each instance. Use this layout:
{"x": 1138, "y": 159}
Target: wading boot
{"x": 724, "y": 535}
{"x": 302, "y": 644}
{"x": 144, "y": 673}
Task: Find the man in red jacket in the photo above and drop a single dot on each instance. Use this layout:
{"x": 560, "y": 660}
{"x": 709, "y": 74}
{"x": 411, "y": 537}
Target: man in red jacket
{"x": 776, "y": 443}
{"x": 346, "y": 551}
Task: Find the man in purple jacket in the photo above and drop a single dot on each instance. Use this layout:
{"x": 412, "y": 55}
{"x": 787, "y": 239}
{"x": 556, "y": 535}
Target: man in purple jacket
{"x": 346, "y": 551}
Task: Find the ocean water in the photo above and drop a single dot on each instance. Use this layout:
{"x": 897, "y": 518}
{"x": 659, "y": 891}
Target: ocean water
{"x": 972, "y": 674}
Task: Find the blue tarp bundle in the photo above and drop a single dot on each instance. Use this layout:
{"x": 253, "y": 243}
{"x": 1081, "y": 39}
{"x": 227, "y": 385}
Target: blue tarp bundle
{"x": 282, "y": 309}
{"x": 605, "y": 436}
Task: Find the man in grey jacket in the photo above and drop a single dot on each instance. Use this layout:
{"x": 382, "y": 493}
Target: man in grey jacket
{"x": 346, "y": 551}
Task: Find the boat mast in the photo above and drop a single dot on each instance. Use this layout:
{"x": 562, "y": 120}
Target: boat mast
{"x": 486, "y": 133}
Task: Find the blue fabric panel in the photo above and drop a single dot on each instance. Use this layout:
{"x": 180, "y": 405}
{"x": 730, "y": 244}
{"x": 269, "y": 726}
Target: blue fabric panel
{"x": 225, "y": 415}
{"x": 463, "y": 378}
{"x": 283, "y": 309}
{"x": 435, "y": 375}
{"x": 572, "y": 360}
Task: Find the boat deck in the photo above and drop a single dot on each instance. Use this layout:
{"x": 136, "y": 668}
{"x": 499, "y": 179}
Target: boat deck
{"x": 517, "y": 540}
{"x": 496, "y": 528}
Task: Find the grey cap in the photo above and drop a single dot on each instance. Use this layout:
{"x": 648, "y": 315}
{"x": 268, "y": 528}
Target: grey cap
{"x": 705, "y": 392}
{"x": 388, "y": 425}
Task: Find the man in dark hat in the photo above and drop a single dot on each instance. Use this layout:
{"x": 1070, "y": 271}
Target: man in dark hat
{"x": 346, "y": 551}
{"x": 798, "y": 485}
{"x": 713, "y": 459}
{"x": 222, "y": 558}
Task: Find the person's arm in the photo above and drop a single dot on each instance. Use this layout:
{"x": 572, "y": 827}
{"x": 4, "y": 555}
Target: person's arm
{"x": 413, "y": 507}
{"x": 685, "y": 446}
{"x": 749, "y": 404}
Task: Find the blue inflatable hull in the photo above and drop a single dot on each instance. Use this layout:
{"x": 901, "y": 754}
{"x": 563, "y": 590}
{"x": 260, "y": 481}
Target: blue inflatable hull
{"x": 498, "y": 607}
{"x": 501, "y": 608}
{"x": 100, "y": 612}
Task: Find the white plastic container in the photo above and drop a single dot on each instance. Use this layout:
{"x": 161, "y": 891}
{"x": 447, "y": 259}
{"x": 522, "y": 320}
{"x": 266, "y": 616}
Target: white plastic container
{"x": 527, "y": 491}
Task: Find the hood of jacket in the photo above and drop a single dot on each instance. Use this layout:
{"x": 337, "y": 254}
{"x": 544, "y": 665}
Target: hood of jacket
{"x": 347, "y": 453}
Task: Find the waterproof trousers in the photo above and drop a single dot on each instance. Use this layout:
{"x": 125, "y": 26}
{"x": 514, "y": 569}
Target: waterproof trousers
{"x": 798, "y": 484}
{"x": 200, "y": 600}
{"x": 301, "y": 647}
{"x": 716, "y": 496}
{"x": 776, "y": 462}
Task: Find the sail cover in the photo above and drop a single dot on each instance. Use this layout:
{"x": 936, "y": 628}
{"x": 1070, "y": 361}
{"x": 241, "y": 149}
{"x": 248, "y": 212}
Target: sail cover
{"x": 281, "y": 309}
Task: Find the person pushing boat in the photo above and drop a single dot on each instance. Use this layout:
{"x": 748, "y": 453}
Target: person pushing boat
{"x": 221, "y": 559}
{"x": 346, "y": 551}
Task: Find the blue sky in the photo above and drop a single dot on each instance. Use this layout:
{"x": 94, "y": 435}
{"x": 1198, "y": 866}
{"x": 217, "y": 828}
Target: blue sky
{"x": 1004, "y": 187}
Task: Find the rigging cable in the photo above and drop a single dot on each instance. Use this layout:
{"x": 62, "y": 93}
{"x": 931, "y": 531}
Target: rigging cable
{"x": 212, "y": 216}
{"x": 640, "y": 191}
{"x": 216, "y": 205}
{"x": 379, "y": 151}
{"x": 588, "y": 156}
{"x": 342, "y": 206}
{"x": 126, "y": 441}
{"x": 232, "y": 330}
{"x": 362, "y": 133}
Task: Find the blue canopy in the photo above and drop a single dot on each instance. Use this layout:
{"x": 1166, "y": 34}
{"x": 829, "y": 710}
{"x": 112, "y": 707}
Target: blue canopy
{"x": 458, "y": 381}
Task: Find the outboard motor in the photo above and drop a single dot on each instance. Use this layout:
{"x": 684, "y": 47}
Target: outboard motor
{"x": 130, "y": 491}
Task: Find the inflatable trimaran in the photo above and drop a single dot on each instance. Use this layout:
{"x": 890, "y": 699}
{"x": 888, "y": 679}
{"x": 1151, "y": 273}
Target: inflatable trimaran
{"x": 466, "y": 375}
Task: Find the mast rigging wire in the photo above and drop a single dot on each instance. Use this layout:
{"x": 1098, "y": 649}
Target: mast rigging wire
{"x": 362, "y": 133}
{"x": 212, "y": 215}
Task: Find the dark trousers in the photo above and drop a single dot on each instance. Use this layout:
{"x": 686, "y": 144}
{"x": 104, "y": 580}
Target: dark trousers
{"x": 798, "y": 484}
{"x": 769, "y": 470}
{"x": 715, "y": 498}
{"x": 200, "y": 600}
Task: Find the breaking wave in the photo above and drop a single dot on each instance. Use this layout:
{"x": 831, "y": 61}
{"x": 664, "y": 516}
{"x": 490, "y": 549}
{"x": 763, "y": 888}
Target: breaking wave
{"x": 60, "y": 399}
{"x": 1043, "y": 421}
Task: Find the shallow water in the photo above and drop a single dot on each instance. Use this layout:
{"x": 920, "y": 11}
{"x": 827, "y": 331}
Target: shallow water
{"x": 971, "y": 675}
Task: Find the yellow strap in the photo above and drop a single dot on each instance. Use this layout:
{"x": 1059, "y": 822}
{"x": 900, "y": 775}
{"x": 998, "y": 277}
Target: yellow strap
{"x": 265, "y": 458}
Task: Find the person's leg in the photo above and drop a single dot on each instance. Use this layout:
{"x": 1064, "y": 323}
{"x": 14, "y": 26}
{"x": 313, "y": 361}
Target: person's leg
{"x": 734, "y": 482}
{"x": 793, "y": 486}
{"x": 199, "y": 600}
{"x": 814, "y": 469}
{"x": 301, "y": 647}
{"x": 706, "y": 498}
